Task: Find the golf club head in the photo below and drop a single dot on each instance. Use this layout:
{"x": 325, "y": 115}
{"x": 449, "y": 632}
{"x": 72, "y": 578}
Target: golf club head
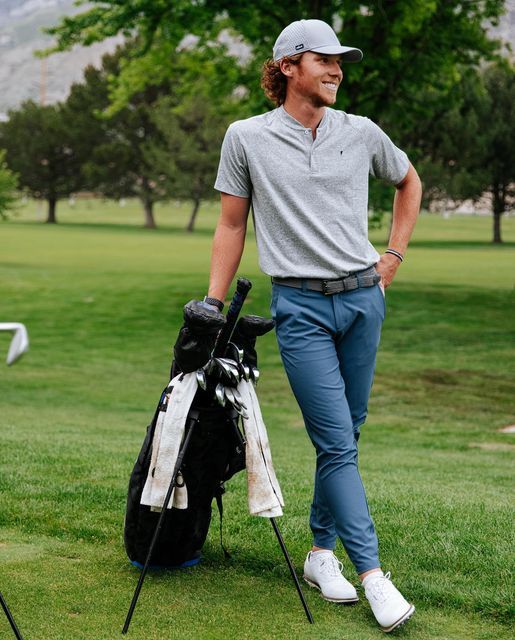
{"x": 229, "y": 373}
{"x": 19, "y": 343}
{"x": 234, "y": 352}
{"x": 220, "y": 394}
{"x": 201, "y": 379}
{"x": 233, "y": 369}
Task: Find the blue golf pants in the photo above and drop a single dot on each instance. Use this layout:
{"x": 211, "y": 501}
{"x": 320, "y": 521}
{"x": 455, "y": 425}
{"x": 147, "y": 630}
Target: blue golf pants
{"x": 328, "y": 346}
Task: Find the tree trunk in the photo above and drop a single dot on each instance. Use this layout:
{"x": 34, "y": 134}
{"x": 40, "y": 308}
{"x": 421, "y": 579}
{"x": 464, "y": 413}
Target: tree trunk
{"x": 498, "y": 210}
{"x": 51, "y": 219}
{"x": 191, "y": 223}
{"x": 148, "y": 207}
{"x": 497, "y": 227}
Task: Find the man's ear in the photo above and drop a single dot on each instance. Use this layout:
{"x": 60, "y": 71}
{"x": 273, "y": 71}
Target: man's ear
{"x": 286, "y": 68}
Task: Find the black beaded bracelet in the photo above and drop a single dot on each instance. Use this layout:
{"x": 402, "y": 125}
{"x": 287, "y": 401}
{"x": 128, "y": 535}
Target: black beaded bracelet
{"x": 396, "y": 254}
{"x": 215, "y": 302}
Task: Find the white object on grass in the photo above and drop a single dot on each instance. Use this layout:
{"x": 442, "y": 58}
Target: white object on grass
{"x": 20, "y": 342}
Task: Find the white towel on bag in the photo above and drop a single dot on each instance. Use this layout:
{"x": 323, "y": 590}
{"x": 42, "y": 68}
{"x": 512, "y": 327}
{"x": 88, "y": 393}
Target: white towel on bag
{"x": 264, "y": 494}
{"x": 167, "y": 441}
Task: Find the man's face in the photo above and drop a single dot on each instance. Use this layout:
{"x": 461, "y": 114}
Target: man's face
{"x": 316, "y": 78}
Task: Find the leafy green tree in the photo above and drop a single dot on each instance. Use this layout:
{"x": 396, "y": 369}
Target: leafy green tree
{"x": 192, "y": 123}
{"x": 41, "y": 147}
{"x": 413, "y": 48}
{"x": 8, "y": 186}
{"x": 116, "y": 165}
{"x": 471, "y": 148}
{"x": 193, "y": 132}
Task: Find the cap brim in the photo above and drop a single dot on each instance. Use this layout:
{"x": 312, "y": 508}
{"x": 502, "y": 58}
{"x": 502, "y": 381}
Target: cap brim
{"x": 349, "y": 54}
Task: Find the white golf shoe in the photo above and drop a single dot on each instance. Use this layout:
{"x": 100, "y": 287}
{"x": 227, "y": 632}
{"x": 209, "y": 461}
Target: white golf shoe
{"x": 389, "y": 606}
{"x": 323, "y": 571}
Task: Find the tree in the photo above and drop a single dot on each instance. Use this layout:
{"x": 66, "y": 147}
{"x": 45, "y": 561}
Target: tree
{"x": 470, "y": 151}
{"x": 193, "y": 132}
{"x": 8, "y": 185}
{"x": 117, "y": 166}
{"x": 192, "y": 123}
{"x": 41, "y": 147}
{"x": 411, "y": 47}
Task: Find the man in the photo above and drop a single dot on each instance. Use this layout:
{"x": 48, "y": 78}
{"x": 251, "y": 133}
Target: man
{"x": 304, "y": 168}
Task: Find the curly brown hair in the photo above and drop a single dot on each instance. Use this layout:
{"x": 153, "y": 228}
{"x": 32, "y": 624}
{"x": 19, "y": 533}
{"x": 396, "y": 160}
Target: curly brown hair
{"x": 273, "y": 80}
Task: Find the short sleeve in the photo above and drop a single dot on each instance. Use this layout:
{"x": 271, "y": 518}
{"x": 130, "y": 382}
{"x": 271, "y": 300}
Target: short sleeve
{"x": 387, "y": 161}
{"x": 233, "y": 173}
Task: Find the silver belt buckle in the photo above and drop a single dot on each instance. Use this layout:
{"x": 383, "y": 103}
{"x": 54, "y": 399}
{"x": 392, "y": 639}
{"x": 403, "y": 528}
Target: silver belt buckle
{"x": 330, "y": 287}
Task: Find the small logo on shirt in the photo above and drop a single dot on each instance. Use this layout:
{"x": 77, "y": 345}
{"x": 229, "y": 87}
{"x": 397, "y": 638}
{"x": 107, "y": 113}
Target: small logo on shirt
{"x": 298, "y": 47}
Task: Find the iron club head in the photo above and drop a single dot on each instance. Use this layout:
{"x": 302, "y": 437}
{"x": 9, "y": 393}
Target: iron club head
{"x": 201, "y": 379}
{"x": 220, "y": 394}
{"x": 229, "y": 369}
{"x": 236, "y": 352}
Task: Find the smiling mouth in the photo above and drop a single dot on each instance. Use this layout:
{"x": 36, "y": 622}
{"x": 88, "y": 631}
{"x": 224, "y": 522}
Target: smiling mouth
{"x": 331, "y": 86}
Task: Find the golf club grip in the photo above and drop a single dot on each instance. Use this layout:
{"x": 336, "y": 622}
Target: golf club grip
{"x": 243, "y": 286}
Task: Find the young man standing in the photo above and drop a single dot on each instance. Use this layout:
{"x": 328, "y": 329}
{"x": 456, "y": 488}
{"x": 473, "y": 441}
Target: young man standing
{"x": 304, "y": 168}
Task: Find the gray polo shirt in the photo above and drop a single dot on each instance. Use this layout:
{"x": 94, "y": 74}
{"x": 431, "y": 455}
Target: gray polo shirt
{"x": 309, "y": 197}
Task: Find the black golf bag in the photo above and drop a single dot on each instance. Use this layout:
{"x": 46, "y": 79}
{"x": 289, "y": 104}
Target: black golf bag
{"x": 214, "y": 455}
{"x": 215, "y": 452}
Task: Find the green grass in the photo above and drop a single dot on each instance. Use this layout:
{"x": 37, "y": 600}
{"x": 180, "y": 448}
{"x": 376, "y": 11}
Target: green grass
{"x": 102, "y": 299}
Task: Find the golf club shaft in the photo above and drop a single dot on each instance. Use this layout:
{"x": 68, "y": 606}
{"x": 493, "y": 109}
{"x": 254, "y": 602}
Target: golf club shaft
{"x": 10, "y": 618}
{"x": 243, "y": 286}
{"x": 158, "y": 526}
{"x": 292, "y": 571}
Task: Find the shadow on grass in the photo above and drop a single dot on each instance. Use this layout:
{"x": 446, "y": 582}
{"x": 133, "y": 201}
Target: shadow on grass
{"x": 115, "y": 227}
{"x": 459, "y": 244}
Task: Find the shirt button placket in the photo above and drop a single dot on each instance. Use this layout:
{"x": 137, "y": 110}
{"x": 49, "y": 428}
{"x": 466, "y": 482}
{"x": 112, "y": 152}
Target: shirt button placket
{"x": 309, "y": 141}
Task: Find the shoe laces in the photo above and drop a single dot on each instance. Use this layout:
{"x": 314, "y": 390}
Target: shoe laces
{"x": 381, "y": 588}
{"x": 330, "y": 565}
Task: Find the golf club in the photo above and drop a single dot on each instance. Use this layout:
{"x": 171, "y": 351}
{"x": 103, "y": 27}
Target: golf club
{"x": 201, "y": 379}
{"x": 220, "y": 394}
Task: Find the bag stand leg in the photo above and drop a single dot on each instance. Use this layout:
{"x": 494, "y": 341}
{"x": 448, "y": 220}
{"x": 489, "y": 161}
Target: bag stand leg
{"x": 10, "y": 618}
{"x": 192, "y": 420}
{"x": 292, "y": 571}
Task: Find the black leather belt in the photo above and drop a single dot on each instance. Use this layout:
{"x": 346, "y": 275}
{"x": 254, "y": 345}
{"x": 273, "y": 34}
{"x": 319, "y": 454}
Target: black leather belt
{"x": 366, "y": 278}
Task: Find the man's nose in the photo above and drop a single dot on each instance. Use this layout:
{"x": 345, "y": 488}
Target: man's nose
{"x": 336, "y": 70}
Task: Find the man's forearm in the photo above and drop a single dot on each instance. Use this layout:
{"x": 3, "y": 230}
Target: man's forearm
{"x": 228, "y": 243}
{"x": 406, "y": 206}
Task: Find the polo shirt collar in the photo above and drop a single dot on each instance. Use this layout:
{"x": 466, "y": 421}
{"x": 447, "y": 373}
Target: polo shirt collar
{"x": 290, "y": 121}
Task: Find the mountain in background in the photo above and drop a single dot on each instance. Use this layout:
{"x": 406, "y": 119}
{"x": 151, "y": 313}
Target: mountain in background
{"x": 22, "y": 76}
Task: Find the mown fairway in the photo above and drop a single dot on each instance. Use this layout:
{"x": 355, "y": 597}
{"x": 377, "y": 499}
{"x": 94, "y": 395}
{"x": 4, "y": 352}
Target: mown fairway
{"x": 102, "y": 299}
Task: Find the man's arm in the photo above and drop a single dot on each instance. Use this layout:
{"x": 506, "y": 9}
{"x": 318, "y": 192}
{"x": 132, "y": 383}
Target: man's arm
{"x": 406, "y": 206}
{"x": 228, "y": 243}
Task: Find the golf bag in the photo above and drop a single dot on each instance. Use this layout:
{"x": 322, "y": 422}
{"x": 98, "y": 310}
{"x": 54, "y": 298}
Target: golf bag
{"x": 215, "y": 453}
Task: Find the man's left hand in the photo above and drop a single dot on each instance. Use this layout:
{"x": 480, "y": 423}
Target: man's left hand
{"x": 387, "y": 267}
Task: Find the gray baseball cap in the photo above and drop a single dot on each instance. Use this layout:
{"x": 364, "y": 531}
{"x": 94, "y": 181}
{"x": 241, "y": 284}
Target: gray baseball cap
{"x": 312, "y": 35}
